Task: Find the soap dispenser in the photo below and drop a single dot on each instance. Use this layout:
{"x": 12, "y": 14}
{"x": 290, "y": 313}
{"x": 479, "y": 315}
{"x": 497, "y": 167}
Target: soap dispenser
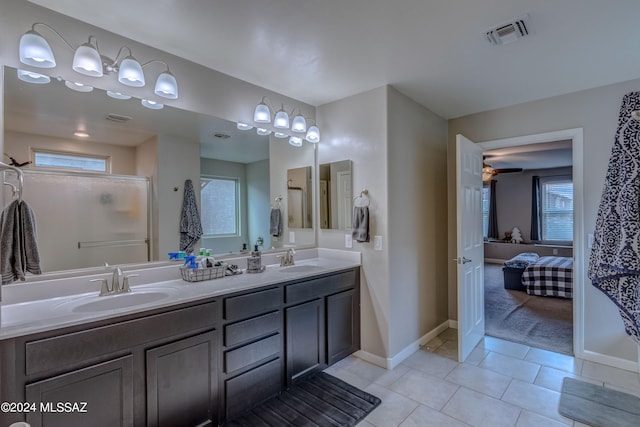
{"x": 254, "y": 262}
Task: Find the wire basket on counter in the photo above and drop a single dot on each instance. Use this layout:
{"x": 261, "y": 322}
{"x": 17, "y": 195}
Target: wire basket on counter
{"x": 200, "y": 274}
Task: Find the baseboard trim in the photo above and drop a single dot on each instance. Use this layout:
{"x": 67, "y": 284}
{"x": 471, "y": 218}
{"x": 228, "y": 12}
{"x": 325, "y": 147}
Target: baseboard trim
{"x": 392, "y": 362}
{"x": 603, "y": 359}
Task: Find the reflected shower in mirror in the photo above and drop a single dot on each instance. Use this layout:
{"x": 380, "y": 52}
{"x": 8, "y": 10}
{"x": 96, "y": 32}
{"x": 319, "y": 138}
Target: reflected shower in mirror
{"x": 299, "y": 197}
{"x": 336, "y": 195}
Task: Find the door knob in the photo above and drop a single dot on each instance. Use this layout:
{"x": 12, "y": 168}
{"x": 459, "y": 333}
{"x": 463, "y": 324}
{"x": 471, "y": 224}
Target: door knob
{"x": 461, "y": 260}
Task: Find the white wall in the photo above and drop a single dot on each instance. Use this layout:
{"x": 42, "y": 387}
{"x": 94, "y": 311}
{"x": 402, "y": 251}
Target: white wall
{"x": 258, "y": 202}
{"x": 147, "y": 165}
{"x": 596, "y": 111}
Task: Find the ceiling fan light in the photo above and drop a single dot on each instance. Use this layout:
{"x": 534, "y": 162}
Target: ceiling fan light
{"x": 244, "y": 126}
{"x": 280, "y": 135}
{"x": 130, "y": 73}
{"x": 35, "y": 51}
{"x": 262, "y": 131}
{"x": 296, "y": 141}
{"x": 152, "y": 104}
{"x": 87, "y": 61}
{"x": 281, "y": 121}
{"x": 31, "y": 77}
{"x": 313, "y": 134}
{"x": 262, "y": 114}
{"x": 299, "y": 124}
{"x": 167, "y": 86}
{"x": 78, "y": 87}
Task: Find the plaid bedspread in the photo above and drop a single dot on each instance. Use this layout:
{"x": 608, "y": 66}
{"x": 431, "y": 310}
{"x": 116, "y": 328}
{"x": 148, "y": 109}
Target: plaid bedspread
{"x": 549, "y": 276}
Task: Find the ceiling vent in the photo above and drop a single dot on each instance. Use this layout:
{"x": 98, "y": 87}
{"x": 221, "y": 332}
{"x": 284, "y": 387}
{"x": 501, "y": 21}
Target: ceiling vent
{"x": 509, "y": 31}
{"x": 118, "y": 118}
{"x": 221, "y": 135}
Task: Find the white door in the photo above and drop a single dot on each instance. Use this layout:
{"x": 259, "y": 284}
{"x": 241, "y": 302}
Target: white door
{"x": 470, "y": 246}
{"x": 344, "y": 199}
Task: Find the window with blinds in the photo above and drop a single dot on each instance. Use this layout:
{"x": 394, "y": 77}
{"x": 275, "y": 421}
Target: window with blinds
{"x": 219, "y": 195}
{"x": 485, "y": 210}
{"x": 557, "y": 208}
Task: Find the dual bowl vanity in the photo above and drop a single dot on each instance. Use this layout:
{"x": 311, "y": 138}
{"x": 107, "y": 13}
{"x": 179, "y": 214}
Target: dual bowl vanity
{"x": 173, "y": 352}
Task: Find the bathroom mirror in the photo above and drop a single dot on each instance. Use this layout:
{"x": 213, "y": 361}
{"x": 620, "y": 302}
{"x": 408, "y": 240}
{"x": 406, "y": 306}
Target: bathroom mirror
{"x": 335, "y": 195}
{"x": 300, "y": 197}
{"x": 47, "y": 115}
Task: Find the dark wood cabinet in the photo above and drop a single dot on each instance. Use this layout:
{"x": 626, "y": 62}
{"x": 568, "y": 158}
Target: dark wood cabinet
{"x": 101, "y": 395}
{"x": 343, "y": 325}
{"x": 305, "y": 338}
{"x": 182, "y": 382}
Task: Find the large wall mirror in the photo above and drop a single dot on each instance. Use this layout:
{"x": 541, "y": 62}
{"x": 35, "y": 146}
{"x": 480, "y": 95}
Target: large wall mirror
{"x": 238, "y": 178}
{"x": 299, "y": 197}
{"x": 336, "y": 195}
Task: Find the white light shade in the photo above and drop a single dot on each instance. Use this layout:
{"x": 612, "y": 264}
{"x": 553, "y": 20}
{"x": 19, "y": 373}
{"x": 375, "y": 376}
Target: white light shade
{"x": 78, "y": 87}
{"x": 87, "y": 61}
{"x": 35, "y": 51}
{"x": 281, "y": 120}
{"x": 299, "y": 124}
{"x": 152, "y": 104}
{"x": 31, "y": 77}
{"x": 167, "y": 86}
{"x": 262, "y": 114}
{"x": 262, "y": 131}
{"x": 244, "y": 126}
{"x": 130, "y": 73}
{"x": 118, "y": 95}
{"x": 313, "y": 134}
{"x": 280, "y": 135}
{"x": 296, "y": 141}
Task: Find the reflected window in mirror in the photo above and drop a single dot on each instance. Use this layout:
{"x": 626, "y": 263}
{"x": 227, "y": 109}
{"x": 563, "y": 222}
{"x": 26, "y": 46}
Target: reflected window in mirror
{"x": 70, "y": 161}
{"x": 336, "y": 195}
{"x": 220, "y": 210}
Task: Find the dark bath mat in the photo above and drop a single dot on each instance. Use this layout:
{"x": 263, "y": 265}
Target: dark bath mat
{"x": 320, "y": 400}
{"x": 598, "y": 406}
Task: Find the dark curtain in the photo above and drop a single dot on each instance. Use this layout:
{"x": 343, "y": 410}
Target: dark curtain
{"x": 493, "y": 212}
{"x": 535, "y": 208}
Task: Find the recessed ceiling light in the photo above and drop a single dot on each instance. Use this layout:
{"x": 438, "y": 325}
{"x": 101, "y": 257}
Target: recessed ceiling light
{"x": 78, "y": 87}
{"x": 152, "y": 104}
{"x": 81, "y": 134}
{"x": 244, "y": 126}
{"x": 118, "y": 95}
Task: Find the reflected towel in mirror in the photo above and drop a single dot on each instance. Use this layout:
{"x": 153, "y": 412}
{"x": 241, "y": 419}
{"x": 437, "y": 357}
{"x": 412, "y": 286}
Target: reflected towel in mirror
{"x": 360, "y": 224}
{"x": 190, "y": 225}
{"x": 275, "y": 222}
{"x": 18, "y": 242}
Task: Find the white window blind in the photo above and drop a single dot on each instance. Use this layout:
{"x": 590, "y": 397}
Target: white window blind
{"x": 219, "y": 206}
{"x": 485, "y": 210}
{"x": 557, "y": 209}
{"x": 83, "y": 162}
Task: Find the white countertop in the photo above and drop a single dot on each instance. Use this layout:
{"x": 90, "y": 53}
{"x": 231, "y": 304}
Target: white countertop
{"x": 52, "y": 304}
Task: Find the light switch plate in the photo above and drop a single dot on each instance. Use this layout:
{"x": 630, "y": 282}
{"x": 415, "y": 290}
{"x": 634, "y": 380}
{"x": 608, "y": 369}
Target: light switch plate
{"x": 292, "y": 237}
{"x": 348, "y": 241}
{"x": 377, "y": 243}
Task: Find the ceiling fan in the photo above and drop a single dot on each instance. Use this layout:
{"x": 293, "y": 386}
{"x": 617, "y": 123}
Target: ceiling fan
{"x": 489, "y": 172}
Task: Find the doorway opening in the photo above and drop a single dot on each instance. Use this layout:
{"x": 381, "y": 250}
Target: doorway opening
{"x": 542, "y": 319}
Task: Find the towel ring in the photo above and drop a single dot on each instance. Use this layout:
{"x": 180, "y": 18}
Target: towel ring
{"x": 363, "y": 197}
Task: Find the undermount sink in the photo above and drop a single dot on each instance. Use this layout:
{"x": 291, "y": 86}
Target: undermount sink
{"x": 115, "y": 302}
{"x": 300, "y": 269}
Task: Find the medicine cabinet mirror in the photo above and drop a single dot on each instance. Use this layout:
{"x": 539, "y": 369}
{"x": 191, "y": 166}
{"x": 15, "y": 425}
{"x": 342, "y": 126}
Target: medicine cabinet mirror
{"x": 336, "y": 195}
{"x": 299, "y": 197}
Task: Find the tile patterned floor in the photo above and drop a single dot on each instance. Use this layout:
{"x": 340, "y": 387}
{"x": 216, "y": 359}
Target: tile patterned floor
{"x": 501, "y": 384}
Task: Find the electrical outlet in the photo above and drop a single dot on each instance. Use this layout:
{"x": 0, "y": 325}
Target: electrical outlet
{"x": 555, "y": 251}
{"x": 292, "y": 237}
{"x": 348, "y": 241}
{"x": 377, "y": 243}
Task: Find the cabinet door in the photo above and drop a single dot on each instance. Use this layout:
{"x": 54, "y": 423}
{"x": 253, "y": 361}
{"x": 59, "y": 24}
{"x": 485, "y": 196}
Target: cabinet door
{"x": 105, "y": 388}
{"x": 305, "y": 338}
{"x": 343, "y": 325}
{"x": 182, "y": 387}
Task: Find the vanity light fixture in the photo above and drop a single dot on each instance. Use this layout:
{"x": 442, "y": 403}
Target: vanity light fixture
{"x": 31, "y": 77}
{"x": 262, "y": 114}
{"x": 35, "y": 51}
{"x": 78, "y": 87}
{"x": 152, "y": 104}
{"x": 262, "y": 131}
{"x": 244, "y": 126}
{"x": 296, "y": 141}
{"x": 117, "y": 95}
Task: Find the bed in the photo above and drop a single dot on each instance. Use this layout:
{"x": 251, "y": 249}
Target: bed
{"x": 549, "y": 276}
{"x": 514, "y": 268}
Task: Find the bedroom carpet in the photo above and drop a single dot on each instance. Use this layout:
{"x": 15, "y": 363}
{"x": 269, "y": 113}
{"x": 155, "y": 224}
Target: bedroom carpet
{"x": 542, "y": 322}
{"x": 320, "y": 400}
{"x": 598, "y": 406}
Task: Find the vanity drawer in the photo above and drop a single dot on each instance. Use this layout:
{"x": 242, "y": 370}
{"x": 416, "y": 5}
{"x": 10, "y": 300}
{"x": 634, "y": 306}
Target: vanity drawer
{"x": 252, "y": 304}
{"x": 78, "y": 347}
{"x": 252, "y": 353}
{"x": 310, "y": 289}
{"x": 253, "y": 328}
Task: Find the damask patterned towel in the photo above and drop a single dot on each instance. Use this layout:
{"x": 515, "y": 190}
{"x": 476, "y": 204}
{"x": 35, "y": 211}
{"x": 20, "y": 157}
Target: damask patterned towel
{"x": 614, "y": 266}
{"x": 190, "y": 225}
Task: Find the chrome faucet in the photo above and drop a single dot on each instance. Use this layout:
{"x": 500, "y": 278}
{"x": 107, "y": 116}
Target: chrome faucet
{"x": 287, "y": 259}
{"x": 116, "y": 287}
